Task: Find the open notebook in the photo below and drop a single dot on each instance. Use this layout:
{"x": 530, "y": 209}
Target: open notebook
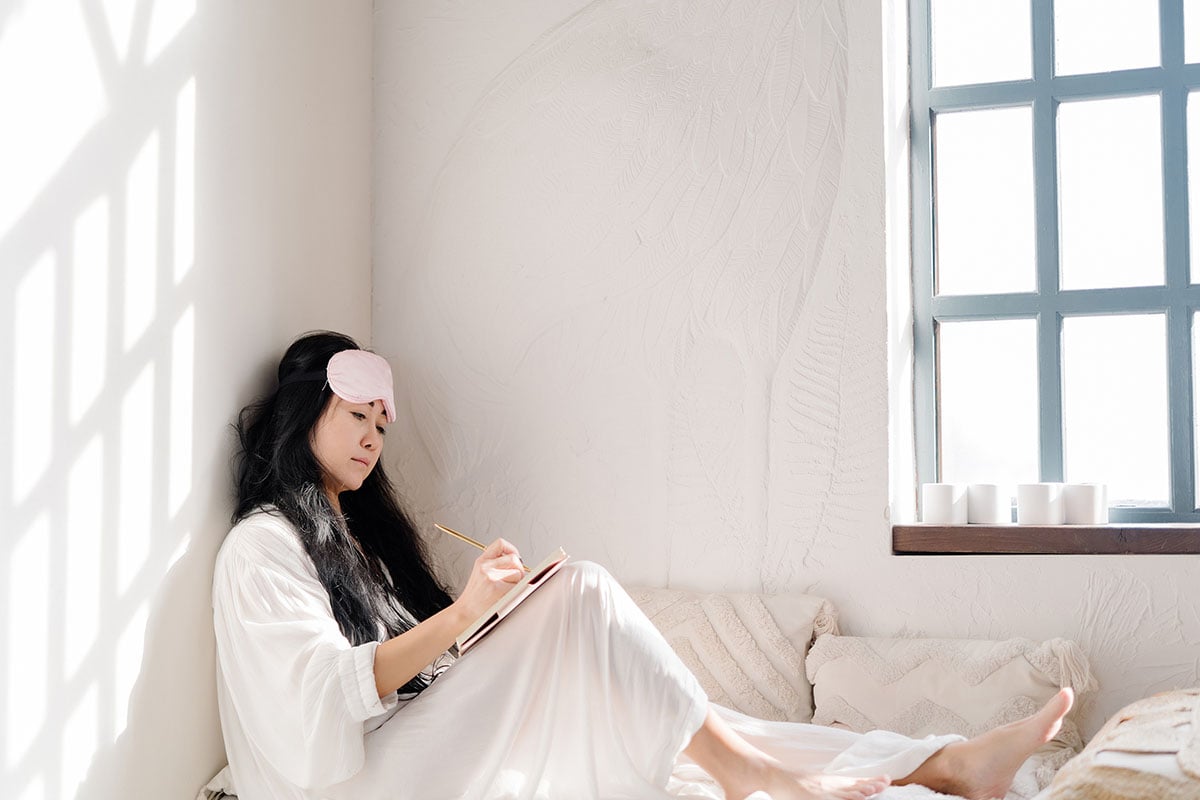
{"x": 529, "y": 584}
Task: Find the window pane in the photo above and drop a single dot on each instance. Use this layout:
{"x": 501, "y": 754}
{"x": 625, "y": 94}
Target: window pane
{"x": 1193, "y": 146}
{"x": 1103, "y": 37}
{"x": 1115, "y": 406}
{"x": 980, "y": 42}
{"x": 984, "y": 194}
{"x": 1191, "y": 31}
{"x": 1110, "y": 193}
{"x": 987, "y": 401}
{"x": 1196, "y": 404}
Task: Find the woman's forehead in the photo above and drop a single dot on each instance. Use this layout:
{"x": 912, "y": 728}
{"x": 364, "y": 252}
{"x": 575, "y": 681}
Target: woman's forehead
{"x": 375, "y": 405}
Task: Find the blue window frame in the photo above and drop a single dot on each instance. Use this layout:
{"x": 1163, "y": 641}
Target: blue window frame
{"x": 1176, "y": 300}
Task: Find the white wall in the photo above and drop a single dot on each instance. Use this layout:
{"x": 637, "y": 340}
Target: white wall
{"x": 186, "y": 188}
{"x": 630, "y": 267}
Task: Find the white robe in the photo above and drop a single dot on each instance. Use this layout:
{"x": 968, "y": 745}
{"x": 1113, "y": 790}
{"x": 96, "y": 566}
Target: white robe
{"x": 574, "y": 696}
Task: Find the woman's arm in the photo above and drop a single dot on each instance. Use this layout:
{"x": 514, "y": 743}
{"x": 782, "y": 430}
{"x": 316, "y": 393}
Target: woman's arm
{"x": 400, "y": 658}
{"x": 294, "y": 692}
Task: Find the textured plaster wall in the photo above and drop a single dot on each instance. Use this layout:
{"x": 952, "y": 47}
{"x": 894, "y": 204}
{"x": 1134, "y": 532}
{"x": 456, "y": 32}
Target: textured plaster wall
{"x": 185, "y": 187}
{"x": 630, "y": 268}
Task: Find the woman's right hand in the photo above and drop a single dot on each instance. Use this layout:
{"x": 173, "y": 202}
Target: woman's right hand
{"x": 496, "y": 570}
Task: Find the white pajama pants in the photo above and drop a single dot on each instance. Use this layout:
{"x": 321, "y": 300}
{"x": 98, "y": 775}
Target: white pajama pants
{"x": 576, "y": 696}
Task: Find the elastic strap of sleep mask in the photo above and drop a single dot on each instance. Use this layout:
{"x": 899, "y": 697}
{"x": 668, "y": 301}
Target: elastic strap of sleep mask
{"x": 302, "y": 377}
{"x": 358, "y": 376}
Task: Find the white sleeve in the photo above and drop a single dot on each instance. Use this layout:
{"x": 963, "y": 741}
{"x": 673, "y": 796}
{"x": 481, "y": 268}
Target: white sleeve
{"x": 300, "y": 690}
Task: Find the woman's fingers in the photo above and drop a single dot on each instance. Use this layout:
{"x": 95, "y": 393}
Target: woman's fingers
{"x": 496, "y": 569}
{"x": 502, "y": 556}
{"x": 507, "y": 568}
{"x": 498, "y": 548}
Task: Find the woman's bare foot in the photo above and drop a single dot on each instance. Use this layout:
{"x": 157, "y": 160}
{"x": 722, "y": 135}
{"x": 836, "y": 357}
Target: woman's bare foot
{"x": 770, "y": 777}
{"x": 983, "y": 768}
{"x": 742, "y": 769}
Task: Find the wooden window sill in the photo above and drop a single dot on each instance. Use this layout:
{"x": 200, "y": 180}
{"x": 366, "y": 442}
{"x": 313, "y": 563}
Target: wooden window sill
{"x": 1113, "y": 539}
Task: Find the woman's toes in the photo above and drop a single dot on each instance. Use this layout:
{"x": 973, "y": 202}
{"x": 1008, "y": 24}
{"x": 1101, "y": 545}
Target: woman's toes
{"x": 869, "y": 787}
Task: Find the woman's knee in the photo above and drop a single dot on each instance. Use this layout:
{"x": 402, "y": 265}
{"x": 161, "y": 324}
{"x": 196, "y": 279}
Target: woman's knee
{"x": 588, "y": 576}
{"x": 587, "y": 583}
{"x": 589, "y": 570}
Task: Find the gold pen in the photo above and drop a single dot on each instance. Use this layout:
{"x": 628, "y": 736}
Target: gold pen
{"x": 467, "y": 539}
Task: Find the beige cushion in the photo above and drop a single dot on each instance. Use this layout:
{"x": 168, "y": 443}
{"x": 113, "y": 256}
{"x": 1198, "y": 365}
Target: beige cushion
{"x": 920, "y": 687}
{"x": 1149, "y": 750}
{"x": 747, "y": 650}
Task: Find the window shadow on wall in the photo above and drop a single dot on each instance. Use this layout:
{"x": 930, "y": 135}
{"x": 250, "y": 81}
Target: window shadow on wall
{"x": 100, "y": 599}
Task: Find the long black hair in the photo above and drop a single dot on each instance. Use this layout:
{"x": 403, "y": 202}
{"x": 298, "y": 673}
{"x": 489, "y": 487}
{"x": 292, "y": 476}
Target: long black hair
{"x": 276, "y": 471}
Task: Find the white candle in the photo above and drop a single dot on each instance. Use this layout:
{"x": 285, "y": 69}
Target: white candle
{"x": 1040, "y": 504}
{"x": 1086, "y": 503}
{"x": 988, "y": 505}
{"x": 944, "y": 503}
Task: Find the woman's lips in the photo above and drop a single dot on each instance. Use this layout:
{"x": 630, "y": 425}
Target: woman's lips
{"x": 362, "y": 461}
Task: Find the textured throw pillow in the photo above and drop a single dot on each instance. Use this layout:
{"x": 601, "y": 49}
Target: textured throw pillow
{"x": 747, "y": 650}
{"x": 1149, "y": 750}
{"x": 919, "y": 687}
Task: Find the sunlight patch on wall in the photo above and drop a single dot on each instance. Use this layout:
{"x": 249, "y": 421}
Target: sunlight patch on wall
{"x": 120, "y": 17}
{"x": 56, "y": 91}
{"x": 141, "y": 241}
{"x": 183, "y": 350}
{"x": 85, "y": 535}
{"x": 79, "y": 740}
{"x": 181, "y": 548}
{"x": 28, "y": 630}
{"x": 33, "y": 366}
{"x": 36, "y": 790}
{"x": 97, "y": 208}
{"x": 89, "y": 307}
{"x": 167, "y": 20}
{"x": 128, "y": 665}
{"x": 137, "y": 478}
{"x": 185, "y": 179}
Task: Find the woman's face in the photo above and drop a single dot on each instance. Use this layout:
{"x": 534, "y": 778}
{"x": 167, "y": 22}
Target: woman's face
{"x": 346, "y": 442}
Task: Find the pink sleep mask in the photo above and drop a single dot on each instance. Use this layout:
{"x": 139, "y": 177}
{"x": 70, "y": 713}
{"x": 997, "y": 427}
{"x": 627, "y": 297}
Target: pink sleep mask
{"x": 356, "y": 376}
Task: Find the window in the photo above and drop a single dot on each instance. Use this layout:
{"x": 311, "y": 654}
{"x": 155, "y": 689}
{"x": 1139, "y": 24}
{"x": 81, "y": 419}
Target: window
{"x": 1055, "y": 311}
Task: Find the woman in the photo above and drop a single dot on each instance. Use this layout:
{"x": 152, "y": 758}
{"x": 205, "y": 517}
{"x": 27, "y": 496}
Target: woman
{"x": 336, "y": 678}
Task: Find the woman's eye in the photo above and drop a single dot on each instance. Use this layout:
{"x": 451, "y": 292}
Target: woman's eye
{"x": 358, "y": 415}
{"x": 382, "y": 432}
